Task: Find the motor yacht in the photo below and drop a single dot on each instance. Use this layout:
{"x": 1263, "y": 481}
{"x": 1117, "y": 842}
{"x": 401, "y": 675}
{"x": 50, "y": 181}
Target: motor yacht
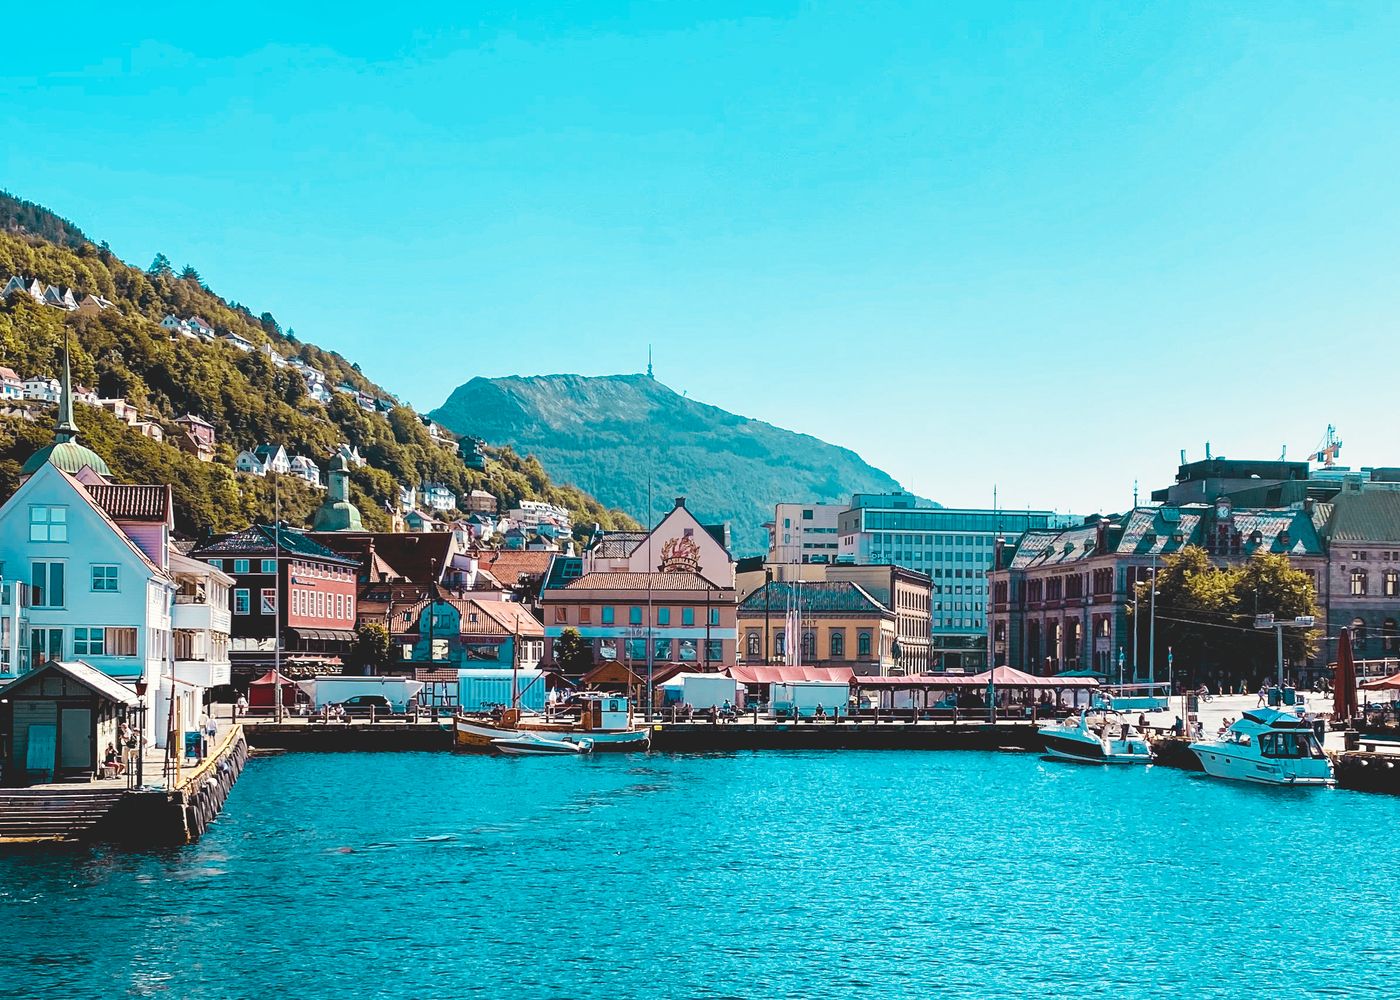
{"x": 1266, "y": 746}
{"x": 1108, "y": 739}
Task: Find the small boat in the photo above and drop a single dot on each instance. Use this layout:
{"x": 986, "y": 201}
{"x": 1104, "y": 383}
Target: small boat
{"x": 1269, "y": 747}
{"x": 1080, "y": 741}
{"x": 605, "y": 721}
{"x": 533, "y": 745}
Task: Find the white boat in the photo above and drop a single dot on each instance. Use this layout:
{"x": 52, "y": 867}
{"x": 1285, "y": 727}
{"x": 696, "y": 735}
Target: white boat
{"x": 1266, "y": 746}
{"x": 1113, "y": 741}
{"x": 534, "y": 745}
{"x": 605, "y": 721}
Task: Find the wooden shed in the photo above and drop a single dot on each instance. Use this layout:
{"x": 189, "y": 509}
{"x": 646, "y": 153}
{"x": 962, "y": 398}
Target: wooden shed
{"x": 56, "y": 721}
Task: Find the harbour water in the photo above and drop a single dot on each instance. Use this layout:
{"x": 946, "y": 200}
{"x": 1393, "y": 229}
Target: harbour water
{"x": 746, "y": 875}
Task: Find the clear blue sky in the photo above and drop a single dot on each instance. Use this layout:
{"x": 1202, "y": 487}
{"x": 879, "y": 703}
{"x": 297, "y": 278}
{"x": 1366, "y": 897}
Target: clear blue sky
{"x": 1043, "y": 246}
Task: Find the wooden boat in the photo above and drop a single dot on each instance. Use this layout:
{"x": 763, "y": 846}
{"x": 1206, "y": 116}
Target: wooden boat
{"x": 606, "y": 721}
{"x": 534, "y": 745}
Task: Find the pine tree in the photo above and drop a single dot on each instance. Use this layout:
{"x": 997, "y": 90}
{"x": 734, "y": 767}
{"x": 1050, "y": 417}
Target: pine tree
{"x": 188, "y": 273}
{"x": 161, "y": 266}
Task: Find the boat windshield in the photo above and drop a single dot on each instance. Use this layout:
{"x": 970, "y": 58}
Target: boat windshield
{"x": 1289, "y": 745}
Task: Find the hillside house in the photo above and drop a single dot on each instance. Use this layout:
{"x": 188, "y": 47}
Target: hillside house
{"x": 60, "y": 299}
{"x": 150, "y": 429}
{"x": 263, "y": 459}
{"x": 351, "y": 454}
{"x": 42, "y": 388}
{"x": 272, "y": 355}
{"x": 120, "y": 409}
{"x": 201, "y": 328}
{"x": 82, "y": 394}
{"x": 11, "y": 385}
{"x": 196, "y": 437}
{"x": 303, "y": 468}
{"x": 242, "y": 343}
{"x": 438, "y": 497}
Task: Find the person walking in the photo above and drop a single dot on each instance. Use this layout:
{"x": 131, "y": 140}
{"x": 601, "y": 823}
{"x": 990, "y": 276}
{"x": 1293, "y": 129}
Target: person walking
{"x": 240, "y": 708}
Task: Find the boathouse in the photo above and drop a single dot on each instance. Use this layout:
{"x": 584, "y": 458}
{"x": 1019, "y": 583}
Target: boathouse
{"x": 56, "y": 721}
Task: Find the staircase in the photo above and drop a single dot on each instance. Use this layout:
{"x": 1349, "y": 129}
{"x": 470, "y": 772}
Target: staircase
{"x": 53, "y": 813}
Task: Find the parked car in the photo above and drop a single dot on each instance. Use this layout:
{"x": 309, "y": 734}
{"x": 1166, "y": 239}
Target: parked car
{"x": 365, "y": 704}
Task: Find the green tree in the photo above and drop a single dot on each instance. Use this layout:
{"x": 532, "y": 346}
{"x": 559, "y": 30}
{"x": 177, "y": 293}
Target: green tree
{"x": 573, "y": 652}
{"x": 188, "y": 273}
{"x": 371, "y": 649}
{"x": 161, "y": 267}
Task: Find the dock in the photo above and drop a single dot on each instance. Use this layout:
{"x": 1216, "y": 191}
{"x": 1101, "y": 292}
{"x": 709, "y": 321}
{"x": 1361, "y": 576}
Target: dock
{"x": 395, "y": 733}
{"x": 820, "y": 734}
{"x": 152, "y": 812}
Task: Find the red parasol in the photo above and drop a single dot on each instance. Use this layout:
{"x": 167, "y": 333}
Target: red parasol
{"x": 1344, "y": 705}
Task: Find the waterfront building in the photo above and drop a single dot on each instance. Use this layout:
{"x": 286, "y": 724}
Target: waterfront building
{"x": 1060, "y": 597}
{"x": 841, "y": 625}
{"x": 689, "y": 619}
{"x": 201, "y": 623}
{"x": 909, "y": 595}
{"x": 954, "y": 547}
{"x": 679, "y": 540}
{"x": 285, "y": 585}
{"x": 443, "y": 632}
{"x": 1360, "y": 588}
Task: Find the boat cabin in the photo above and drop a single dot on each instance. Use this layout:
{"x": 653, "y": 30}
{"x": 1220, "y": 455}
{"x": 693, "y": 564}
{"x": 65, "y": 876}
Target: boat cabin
{"x": 606, "y": 714}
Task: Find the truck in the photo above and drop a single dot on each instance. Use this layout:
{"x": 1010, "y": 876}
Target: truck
{"x": 333, "y": 690}
{"x": 803, "y": 697}
{"x": 701, "y": 691}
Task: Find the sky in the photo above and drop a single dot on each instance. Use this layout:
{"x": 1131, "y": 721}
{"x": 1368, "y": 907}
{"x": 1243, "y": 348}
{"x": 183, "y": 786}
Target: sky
{"x": 1036, "y": 248}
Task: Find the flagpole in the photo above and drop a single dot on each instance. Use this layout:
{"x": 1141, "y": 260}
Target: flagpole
{"x": 277, "y": 596}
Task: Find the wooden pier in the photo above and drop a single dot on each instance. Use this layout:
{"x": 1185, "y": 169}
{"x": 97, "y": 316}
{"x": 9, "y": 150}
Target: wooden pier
{"x": 313, "y": 734}
{"x": 820, "y": 734}
{"x": 139, "y": 817}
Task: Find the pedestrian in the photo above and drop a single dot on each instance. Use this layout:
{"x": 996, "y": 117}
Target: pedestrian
{"x": 240, "y": 708}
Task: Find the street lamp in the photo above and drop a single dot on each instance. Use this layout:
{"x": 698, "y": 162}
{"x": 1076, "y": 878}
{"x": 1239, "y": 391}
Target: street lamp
{"x": 1268, "y": 622}
{"x": 141, "y": 731}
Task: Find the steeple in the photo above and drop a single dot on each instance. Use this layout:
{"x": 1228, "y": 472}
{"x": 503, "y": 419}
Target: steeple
{"x": 338, "y": 513}
{"x": 67, "y": 428}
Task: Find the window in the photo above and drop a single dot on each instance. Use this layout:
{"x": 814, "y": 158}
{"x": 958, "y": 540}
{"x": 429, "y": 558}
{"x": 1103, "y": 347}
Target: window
{"x": 240, "y": 565}
{"x": 406, "y": 650}
{"x": 104, "y": 579}
{"x": 45, "y": 644}
{"x": 89, "y": 641}
{"x": 439, "y": 650}
{"x": 714, "y": 616}
{"x": 1358, "y": 583}
{"x": 48, "y": 524}
{"x": 585, "y": 615}
{"x": 561, "y": 616}
{"x": 753, "y": 644}
{"x": 1392, "y": 583}
{"x": 838, "y": 644}
{"x": 269, "y": 565}
{"x": 217, "y": 563}
{"x": 269, "y": 601}
{"x": 663, "y": 650}
{"x": 714, "y": 650}
{"x": 46, "y": 584}
{"x": 634, "y": 616}
{"x": 687, "y": 616}
{"x": 780, "y": 645}
{"x": 120, "y": 641}
{"x": 241, "y": 601}
{"x": 663, "y": 616}
{"x": 607, "y": 618}
{"x": 1358, "y": 632}
{"x": 863, "y": 644}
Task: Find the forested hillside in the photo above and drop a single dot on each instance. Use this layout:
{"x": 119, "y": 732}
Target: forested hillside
{"x": 122, "y": 351}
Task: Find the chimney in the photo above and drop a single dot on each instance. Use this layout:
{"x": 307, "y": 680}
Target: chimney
{"x": 680, "y": 501}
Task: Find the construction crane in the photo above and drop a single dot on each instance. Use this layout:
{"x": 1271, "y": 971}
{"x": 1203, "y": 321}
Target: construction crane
{"x": 1328, "y": 449}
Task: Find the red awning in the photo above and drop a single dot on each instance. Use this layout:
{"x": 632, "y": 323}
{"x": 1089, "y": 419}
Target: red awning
{"x": 921, "y": 681}
{"x": 1010, "y": 677}
{"x": 785, "y": 675}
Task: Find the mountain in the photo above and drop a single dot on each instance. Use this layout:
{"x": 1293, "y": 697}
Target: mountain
{"x": 608, "y": 434}
{"x": 251, "y": 395}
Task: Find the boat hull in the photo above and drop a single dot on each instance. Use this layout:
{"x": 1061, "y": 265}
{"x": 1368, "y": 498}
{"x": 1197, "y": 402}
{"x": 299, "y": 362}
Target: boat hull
{"x": 1067, "y": 747}
{"x": 1218, "y": 762}
{"x": 541, "y": 748}
{"x": 472, "y": 735}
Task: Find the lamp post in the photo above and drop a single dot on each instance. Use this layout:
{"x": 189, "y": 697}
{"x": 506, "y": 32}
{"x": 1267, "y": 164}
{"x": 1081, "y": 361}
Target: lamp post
{"x": 1268, "y": 622}
{"x": 1152, "y": 630}
{"x": 141, "y": 732}
{"x": 767, "y": 608}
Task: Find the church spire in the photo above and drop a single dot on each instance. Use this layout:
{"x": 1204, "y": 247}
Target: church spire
{"x": 67, "y": 428}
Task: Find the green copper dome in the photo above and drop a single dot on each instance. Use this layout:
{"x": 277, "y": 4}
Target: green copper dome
{"x": 68, "y": 456}
{"x": 337, "y": 515}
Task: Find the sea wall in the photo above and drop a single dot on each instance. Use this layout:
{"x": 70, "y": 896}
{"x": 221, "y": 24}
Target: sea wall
{"x": 174, "y": 818}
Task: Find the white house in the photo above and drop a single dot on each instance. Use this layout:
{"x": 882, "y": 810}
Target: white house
{"x": 176, "y": 325}
{"x": 242, "y": 343}
{"x": 263, "y": 459}
{"x": 204, "y": 330}
{"x": 11, "y": 385}
{"x": 41, "y": 387}
{"x": 272, "y": 355}
{"x": 438, "y": 496}
{"x": 408, "y": 498}
{"x": 303, "y": 468}
{"x": 351, "y": 454}
{"x": 201, "y": 622}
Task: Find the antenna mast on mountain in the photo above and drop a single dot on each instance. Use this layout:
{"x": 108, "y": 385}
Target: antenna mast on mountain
{"x": 649, "y": 374}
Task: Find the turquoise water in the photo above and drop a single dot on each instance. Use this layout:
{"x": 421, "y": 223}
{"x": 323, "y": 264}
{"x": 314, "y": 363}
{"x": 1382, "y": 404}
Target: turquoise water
{"x": 745, "y": 875}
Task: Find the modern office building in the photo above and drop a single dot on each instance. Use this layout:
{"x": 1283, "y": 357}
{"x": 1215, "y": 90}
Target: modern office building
{"x": 804, "y": 533}
{"x": 954, "y": 547}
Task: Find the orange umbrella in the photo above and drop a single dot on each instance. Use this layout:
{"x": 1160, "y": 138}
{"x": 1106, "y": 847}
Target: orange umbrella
{"x": 1344, "y": 704}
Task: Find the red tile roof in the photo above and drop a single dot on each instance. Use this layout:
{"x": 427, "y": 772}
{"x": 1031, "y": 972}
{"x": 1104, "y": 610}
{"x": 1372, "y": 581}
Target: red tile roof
{"x": 125, "y": 502}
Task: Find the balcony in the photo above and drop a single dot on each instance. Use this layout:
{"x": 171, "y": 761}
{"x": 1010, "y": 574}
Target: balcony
{"x": 199, "y": 615}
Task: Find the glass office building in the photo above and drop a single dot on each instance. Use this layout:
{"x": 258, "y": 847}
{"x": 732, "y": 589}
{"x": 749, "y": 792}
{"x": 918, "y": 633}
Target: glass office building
{"x": 953, "y": 546}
